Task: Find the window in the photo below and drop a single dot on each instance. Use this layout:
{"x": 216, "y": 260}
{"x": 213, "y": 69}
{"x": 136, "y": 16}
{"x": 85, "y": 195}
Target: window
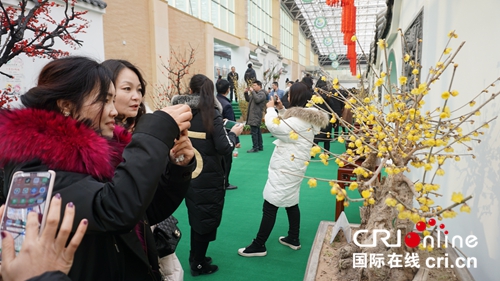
{"x": 302, "y": 48}
{"x": 286, "y": 34}
{"x": 259, "y": 21}
{"x": 218, "y": 12}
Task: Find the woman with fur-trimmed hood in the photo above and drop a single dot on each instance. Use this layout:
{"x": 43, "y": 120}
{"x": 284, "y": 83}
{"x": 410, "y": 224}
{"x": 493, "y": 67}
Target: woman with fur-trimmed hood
{"x": 205, "y": 197}
{"x": 282, "y": 189}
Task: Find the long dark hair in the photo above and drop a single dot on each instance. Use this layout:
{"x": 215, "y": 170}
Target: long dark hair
{"x": 116, "y": 66}
{"x": 205, "y": 87}
{"x": 72, "y": 79}
{"x": 299, "y": 94}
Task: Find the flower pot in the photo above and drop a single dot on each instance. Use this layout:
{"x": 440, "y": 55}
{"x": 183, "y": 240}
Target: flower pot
{"x": 314, "y": 263}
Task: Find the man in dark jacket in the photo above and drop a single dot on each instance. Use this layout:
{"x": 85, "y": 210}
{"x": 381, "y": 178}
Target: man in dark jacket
{"x": 222, "y": 87}
{"x": 233, "y": 78}
{"x": 250, "y": 75}
{"x": 256, "y": 103}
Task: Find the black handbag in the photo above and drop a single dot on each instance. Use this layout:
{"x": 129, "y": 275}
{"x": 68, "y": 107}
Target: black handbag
{"x": 167, "y": 236}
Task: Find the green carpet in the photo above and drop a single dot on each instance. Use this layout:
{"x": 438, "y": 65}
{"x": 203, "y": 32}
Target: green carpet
{"x": 242, "y": 215}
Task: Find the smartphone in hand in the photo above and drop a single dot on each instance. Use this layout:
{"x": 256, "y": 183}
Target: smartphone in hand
{"x": 228, "y": 124}
{"x": 29, "y": 192}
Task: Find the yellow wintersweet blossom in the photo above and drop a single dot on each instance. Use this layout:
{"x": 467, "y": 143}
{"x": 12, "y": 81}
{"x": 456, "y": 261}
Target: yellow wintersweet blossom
{"x": 449, "y": 214}
{"x": 445, "y": 95}
{"x": 366, "y": 100}
{"x": 353, "y": 185}
{"x": 457, "y": 158}
{"x": 317, "y": 99}
{"x": 294, "y": 135}
{"x": 446, "y": 113}
{"x": 472, "y": 103}
{"x": 400, "y": 207}
{"x": 391, "y": 202}
{"x": 406, "y": 58}
{"x": 341, "y": 139}
{"x": 358, "y": 76}
{"x": 415, "y": 71}
{"x": 333, "y": 120}
{"x": 366, "y": 193}
{"x": 354, "y": 38}
{"x": 306, "y": 163}
{"x": 414, "y": 217}
{"x": 465, "y": 208}
{"x": 403, "y": 80}
{"x": 323, "y": 156}
{"x": 381, "y": 44}
{"x": 404, "y": 215}
{"x": 418, "y": 186}
{"x": 346, "y": 203}
{"x": 382, "y": 74}
{"x": 440, "y": 172}
{"x": 333, "y": 190}
{"x": 447, "y": 51}
{"x": 452, "y": 34}
{"x": 457, "y": 197}
{"x": 439, "y": 64}
{"x": 312, "y": 183}
{"x": 454, "y": 93}
{"x": 315, "y": 150}
{"x": 324, "y": 161}
{"x": 379, "y": 82}
{"x": 371, "y": 201}
{"x": 323, "y": 78}
{"x": 276, "y": 121}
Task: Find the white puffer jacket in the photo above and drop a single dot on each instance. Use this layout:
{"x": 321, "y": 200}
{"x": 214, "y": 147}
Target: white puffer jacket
{"x": 282, "y": 189}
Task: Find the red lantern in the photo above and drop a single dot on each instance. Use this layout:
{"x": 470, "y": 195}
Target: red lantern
{"x": 348, "y": 27}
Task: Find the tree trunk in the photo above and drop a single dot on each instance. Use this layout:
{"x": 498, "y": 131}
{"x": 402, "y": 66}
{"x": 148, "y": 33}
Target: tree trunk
{"x": 380, "y": 216}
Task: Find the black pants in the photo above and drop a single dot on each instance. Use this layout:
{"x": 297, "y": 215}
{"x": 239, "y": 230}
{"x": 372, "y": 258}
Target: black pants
{"x": 256, "y": 138}
{"x": 326, "y": 142}
{"x": 231, "y": 90}
{"x": 228, "y": 161}
{"x": 199, "y": 245}
{"x": 269, "y": 219}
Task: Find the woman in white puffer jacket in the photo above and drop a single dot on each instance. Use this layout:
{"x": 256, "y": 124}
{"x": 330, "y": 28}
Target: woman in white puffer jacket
{"x": 282, "y": 188}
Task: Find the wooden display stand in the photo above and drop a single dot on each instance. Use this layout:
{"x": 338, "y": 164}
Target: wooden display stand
{"x": 345, "y": 174}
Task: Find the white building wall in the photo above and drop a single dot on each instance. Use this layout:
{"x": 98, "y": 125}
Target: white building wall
{"x": 26, "y": 69}
{"x": 479, "y": 65}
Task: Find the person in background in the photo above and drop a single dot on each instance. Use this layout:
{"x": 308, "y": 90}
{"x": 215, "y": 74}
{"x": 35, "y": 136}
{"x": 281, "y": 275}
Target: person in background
{"x": 120, "y": 182}
{"x": 276, "y": 91}
{"x": 308, "y": 81}
{"x": 223, "y": 87}
{"x": 282, "y": 188}
{"x": 334, "y": 104}
{"x": 256, "y": 99}
{"x": 205, "y": 197}
{"x": 250, "y": 75}
{"x": 233, "y": 78}
{"x": 44, "y": 256}
{"x": 284, "y": 100}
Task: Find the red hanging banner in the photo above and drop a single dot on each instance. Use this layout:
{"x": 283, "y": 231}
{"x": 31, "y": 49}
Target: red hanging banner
{"x": 348, "y": 28}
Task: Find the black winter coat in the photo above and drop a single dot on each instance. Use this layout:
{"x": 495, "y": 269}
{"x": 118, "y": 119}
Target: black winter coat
{"x": 205, "y": 197}
{"x": 335, "y": 105}
{"x": 111, "y": 186}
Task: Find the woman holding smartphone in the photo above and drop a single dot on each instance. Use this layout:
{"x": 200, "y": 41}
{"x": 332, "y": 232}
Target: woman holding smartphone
{"x": 285, "y": 175}
{"x": 205, "y": 197}
{"x": 120, "y": 182}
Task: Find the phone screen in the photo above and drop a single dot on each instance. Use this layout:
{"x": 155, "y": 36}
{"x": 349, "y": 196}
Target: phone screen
{"x": 28, "y": 192}
{"x": 228, "y": 124}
